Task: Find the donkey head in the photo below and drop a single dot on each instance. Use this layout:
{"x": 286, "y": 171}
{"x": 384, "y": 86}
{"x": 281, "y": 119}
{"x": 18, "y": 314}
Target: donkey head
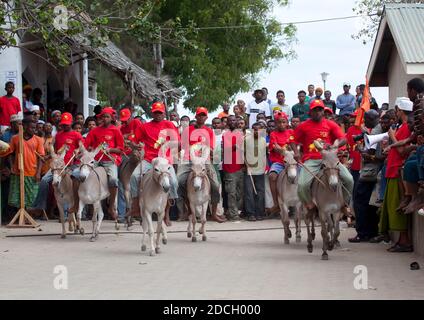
{"x": 87, "y": 161}
{"x": 57, "y": 165}
{"x": 330, "y": 163}
{"x": 291, "y": 165}
{"x": 198, "y": 170}
{"x": 161, "y": 173}
{"x": 137, "y": 152}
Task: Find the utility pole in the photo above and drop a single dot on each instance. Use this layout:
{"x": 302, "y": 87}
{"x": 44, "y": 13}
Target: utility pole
{"x": 159, "y": 64}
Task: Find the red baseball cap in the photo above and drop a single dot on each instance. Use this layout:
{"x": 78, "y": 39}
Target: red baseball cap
{"x": 108, "y": 110}
{"x": 66, "y": 119}
{"x": 125, "y": 114}
{"x": 280, "y": 115}
{"x": 329, "y": 110}
{"x": 317, "y": 104}
{"x": 201, "y": 110}
{"x": 158, "y": 107}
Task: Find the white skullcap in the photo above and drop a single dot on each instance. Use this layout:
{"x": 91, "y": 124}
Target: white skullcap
{"x": 404, "y": 104}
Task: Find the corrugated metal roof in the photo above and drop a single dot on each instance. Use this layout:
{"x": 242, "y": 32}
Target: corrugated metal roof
{"x": 406, "y": 22}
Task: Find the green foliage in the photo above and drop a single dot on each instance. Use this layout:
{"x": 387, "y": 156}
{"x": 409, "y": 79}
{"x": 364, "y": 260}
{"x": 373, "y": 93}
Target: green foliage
{"x": 369, "y": 9}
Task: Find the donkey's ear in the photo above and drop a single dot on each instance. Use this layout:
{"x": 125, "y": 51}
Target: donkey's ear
{"x": 99, "y": 147}
{"x": 62, "y": 151}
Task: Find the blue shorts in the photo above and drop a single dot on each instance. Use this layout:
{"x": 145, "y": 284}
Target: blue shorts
{"x": 277, "y": 168}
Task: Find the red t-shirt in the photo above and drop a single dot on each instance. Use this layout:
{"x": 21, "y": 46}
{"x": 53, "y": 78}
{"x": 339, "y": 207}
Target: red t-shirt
{"x": 71, "y": 138}
{"x": 152, "y": 135}
{"x": 8, "y": 107}
{"x": 307, "y": 132}
{"x": 394, "y": 159}
{"x": 354, "y": 154}
{"x": 233, "y": 160}
{"x": 129, "y": 130}
{"x": 111, "y": 136}
{"x": 281, "y": 138}
{"x": 192, "y": 135}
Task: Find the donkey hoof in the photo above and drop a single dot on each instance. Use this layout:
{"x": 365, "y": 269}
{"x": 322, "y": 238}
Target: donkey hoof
{"x": 165, "y": 241}
{"x": 93, "y": 239}
{"x": 143, "y": 247}
{"x": 82, "y": 231}
{"x": 157, "y": 250}
{"x": 194, "y": 239}
{"x": 310, "y": 248}
{"x": 324, "y": 257}
{"x": 63, "y": 236}
{"x": 289, "y": 234}
{"x": 298, "y": 239}
{"x": 204, "y": 238}
{"x": 330, "y": 246}
{"x": 189, "y": 234}
{"x": 313, "y": 236}
{"x": 286, "y": 241}
{"x": 116, "y": 226}
{"x": 152, "y": 253}
{"x": 337, "y": 244}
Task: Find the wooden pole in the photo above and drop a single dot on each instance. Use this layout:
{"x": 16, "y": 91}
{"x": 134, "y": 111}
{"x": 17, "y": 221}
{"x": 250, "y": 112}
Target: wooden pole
{"x": 25, "y": 220}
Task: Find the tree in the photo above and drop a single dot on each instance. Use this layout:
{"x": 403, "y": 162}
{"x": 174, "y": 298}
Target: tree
{"x": 230, "y": 43}
{"x": 371, "y": 20}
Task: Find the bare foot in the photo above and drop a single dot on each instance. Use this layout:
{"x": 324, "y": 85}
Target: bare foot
{"x": 219, "y": 219}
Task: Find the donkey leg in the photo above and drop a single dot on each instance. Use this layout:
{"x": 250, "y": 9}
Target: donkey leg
{"x": 337, "y": 231}
{"x": 151, "y": 233}
{"x": 189, "y": 234}
{"x": 164, "y": 234}
{"x": 298, "y": 222}
{"x": 94, "y": 221}
{"x": 159, "y": 231}
{"x": 145, "y": 228}
{"x": 81, "y": 230}
{"x": 100, "y": 218}
{"x": 286, "y": 223}
{"x": 204, "y": 210}
{"x": 308, "y": 230}
{"x": 62, "y": 219}
{"x": 193, "y": 221}
{"x": 325, "y": 240}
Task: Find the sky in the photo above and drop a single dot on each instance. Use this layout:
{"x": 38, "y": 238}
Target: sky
{"x": 321, "y": 47}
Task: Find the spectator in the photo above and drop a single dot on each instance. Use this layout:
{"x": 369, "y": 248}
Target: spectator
{"x": 281, "y": 105}
{"x": 233, "y": 168}
{"x": 318, "y": 93}
{"x": 328, "y": 102}
{"x": 79, "y": 118}
{"x": 265, "y": 98}
{"x": 261, "y": 116}
{"x": 390, "y": 219}
{"x": 255, "y": 201}
{"x": 236, "y": 110}
{"x": 373, "y": 102}
{"x": 40, "y": 128}
{"x": 15, "y": 121}
{"x": 226, "y": 112}
{"x": 55, "y": 120}
{"x": 33, "y": 151}
{"x": 26, "y": 98}
{"x": 77, "y": 127}
{"x": 301, "y": 110}
{"x": 36, "y": 100}
{"x": 224, "y": 125}
{"x": 295, "y": 121}
{"x": 9, "y": 105}
{"x": 310, "y": 96}
{"x": 90, "y": 123}
{"x": 257, "y": 106}
{"x": 346, "y": 101}
{"x": 241, "y": 124}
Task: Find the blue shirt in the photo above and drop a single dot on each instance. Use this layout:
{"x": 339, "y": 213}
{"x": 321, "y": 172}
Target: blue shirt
{"x": 346, "y": 104}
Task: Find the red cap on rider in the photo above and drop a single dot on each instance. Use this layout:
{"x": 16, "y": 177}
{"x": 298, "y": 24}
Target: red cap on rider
{"x": 125, "y": 114}
{"x": 158, "y": 107}
{"x": 108, "y": 110}
{"x": 66, "y": 119}
{"x": 201, "y": 110}
{"x": 280, "y": 115}
{"x": 317, "y": 103}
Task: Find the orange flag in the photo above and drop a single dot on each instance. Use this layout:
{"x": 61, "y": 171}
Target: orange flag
{"x": 365, "y": 105}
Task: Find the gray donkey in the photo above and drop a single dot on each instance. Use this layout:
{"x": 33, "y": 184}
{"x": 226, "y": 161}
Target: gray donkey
{"x": 154, "y": 193}
{"x": 62, "y": 186}
{"x": 327, "y": 194}
{"x": 287, "y": 195}
{"x": 93, "y": 188}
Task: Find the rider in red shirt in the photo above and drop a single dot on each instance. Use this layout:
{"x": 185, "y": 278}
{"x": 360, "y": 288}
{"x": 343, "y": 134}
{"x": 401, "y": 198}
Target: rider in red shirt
{"x": 327, "y": 132}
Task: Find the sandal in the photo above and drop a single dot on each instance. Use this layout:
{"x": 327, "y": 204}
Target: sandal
{"x": 400, "y": 248}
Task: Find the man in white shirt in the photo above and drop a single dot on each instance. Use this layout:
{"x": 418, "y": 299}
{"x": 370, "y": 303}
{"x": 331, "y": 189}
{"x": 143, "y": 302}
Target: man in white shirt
{"x": 257, "y": 106}
{"x": 281, "y": 105}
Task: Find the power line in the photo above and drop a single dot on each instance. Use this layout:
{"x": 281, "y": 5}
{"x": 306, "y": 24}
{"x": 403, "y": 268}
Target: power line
{"x": 284, "y": 23}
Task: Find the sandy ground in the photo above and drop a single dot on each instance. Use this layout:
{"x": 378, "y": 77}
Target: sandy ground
{"x": 241, "y": 260}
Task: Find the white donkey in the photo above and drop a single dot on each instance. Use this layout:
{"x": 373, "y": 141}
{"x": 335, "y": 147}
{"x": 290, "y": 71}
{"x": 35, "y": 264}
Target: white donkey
{"x": 198, "y": 191}
{"x": 327, "y": 194}
{"x": 154, "y": 193}
{"x": 62, "y": 186}
{"x": 287, "y": 196}
{"x": 93, "y": 188}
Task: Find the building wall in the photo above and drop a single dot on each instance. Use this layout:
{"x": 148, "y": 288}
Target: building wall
{"x": 398, "y": 78}
{"x": 10, "y": 62}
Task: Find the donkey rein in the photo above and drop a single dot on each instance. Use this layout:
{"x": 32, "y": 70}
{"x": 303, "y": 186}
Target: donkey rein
{"x": 67, "y": 165}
